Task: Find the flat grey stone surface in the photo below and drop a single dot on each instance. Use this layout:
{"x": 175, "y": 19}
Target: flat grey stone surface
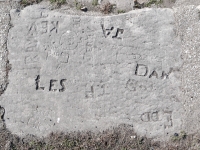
{"x": 71, "y": 73}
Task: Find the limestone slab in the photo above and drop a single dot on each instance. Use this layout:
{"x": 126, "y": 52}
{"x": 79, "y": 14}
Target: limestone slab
{"x": 72, "y": 73}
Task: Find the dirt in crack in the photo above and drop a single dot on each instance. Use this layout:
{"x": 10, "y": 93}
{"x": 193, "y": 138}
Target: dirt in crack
{"x": 122, "y": 137}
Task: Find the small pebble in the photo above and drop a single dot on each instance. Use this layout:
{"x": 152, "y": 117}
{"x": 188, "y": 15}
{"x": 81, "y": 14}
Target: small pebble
{"x": 175, "y": 134}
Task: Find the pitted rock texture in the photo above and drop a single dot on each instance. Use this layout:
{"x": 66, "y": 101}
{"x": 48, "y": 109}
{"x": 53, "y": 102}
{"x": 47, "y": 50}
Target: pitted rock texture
{"x": 188, "y": 29}
{"x": 75, "y": 73}
{"x": 4, "y": 28}
{"x": 179, "y": 3}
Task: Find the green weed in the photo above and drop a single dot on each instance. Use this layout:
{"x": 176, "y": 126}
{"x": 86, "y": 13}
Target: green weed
{"x": 151, "y": 2}
{"x": 94, "y": 2}
{"x": 121, "y": 11}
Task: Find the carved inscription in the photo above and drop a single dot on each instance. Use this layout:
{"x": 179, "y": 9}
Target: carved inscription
{"x": 168, "y": 119}
{"x": 43, "y": 27}
{"x": 62, "y": 57}
{"x": 89, "y": 93}
{"x": 95, "y": 90}
{"x": 107, "y": 32}
{"x": 32, "y": 29}
{"x": 44, "y": 14}
{"x": 154, "y": 73}
{"x": 68, "y": 40}
{"x": 32, "y": 59}
{"x": 31, "y": 45}
{"x": 2, "y": 112}
{"x": 119, "y": 31}
{"x": 142, "y": 70}
{"x": 133, "y": 85}
{"x": 51, "y": 84}
{"x": 76, "y": 21}
{"x": 148, "y": 116}
{"x": 53, "y": 26}
{"x": 90, "y": 42}
{"x": 37, "y": 83}
{"x": 62, "y": 85}
{"x": 164, "y": 116}
{"x": 166, "y": 75}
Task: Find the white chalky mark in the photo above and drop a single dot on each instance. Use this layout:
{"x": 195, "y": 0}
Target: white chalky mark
{"x": 58, "y": 120}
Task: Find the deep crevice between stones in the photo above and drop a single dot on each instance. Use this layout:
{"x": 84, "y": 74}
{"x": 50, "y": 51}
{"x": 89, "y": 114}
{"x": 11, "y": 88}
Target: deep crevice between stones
{"x": 5, "y": 51}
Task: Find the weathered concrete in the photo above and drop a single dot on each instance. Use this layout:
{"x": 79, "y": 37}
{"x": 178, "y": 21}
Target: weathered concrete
{"x": 73, "y": 73}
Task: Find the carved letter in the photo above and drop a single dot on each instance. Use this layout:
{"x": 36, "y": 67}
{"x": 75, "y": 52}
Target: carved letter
{"x": 62, "y": 84}
{"x": 117, "y": 33}
{"x": 154, "y": 116}
{"x": 106, "y": 32}
{"x": 154, "y": 73}
{"x": 145, "y": 117}
{"x": 2, "y": 111}
{"x": 44, "y": 26}
{"x": 168, "y": 119}
{"x": 31, "y": 45}
{"x": 37, "y": 83}
{"x": 90, "y": 94}
{"x": 55, "y": 26}
{"x": 32, "y": 29}
{"x": 166, "y": 74}
{"x": 141, "y": 70}
{"x": 76, "y": 21}
{"x": 51, "y": 85}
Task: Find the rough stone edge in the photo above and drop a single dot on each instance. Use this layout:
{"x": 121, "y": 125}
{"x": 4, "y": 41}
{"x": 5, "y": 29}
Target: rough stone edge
{"x": 4, "y": 50}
